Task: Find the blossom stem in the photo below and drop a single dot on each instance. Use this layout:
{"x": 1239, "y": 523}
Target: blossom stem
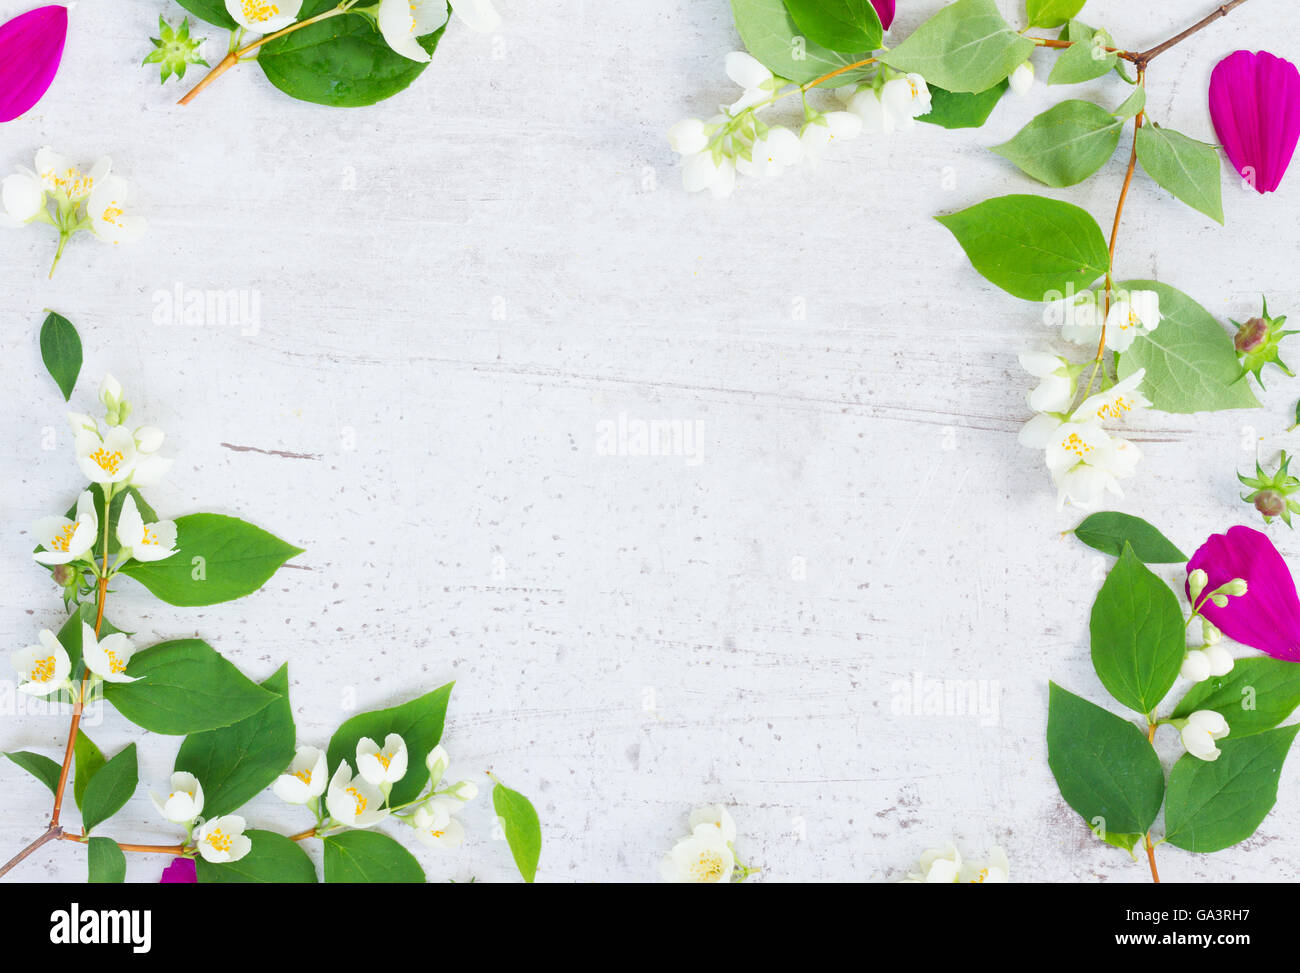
{"x": 1151, "y": 858}
{"x": 1200, "y": 25}
{"x": 235, "y": 56}
{"x": 178, "y": 849}
{"x": 50, "y": 834}
{"x": 1056, "y": 43}
{"x": 64, "y": 237}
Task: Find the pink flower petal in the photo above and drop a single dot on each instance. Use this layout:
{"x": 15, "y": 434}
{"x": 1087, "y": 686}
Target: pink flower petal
{"x": 1267, "y": 616}
{"x": 885, "y": 8}
{"x": 1255, "y": 106}
{"x": 31, "y": 46}
{"x": 180, "y": 871}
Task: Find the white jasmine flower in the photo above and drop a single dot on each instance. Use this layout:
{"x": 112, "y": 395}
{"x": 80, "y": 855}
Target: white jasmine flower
{"x": 906, "y": 99}
{"x": 109, "y": 209}
{"x": 821, "y": 131}
{"x": 436, "y": 825}
{"x": 402, "y": 21}
{"x": 1022, "y": 78}
{"x": 748, "y": 72}
{"x": 1132, "y": 313}
{"x": 1196, "y": 666}
{"x": 184, "y": 803}
{"x": 1200, "y": 731}
{"x": 437, "y": 763}
{"x": 463, "y": 791}
{"x": 23, "y": 197}
{"x": 67, "y": 540}
{"x": 772, "y": 154}
{"x": 707, "y": 171}
{"x": 222, "y": 840}
{"x": 688, "y": 136}
{"x": 717, "y": 816}
{"x": 703, "y": 857}
{"x": 305, "y": 779}
{"x": 144, "y": 542}
{"x": 105, "y": 459}
{"x": 382, "y": 767}
{"x": 44, "y": 668}
{"x": 1120, "y": 401}
{"x": 354, "y": 801}
{"x": 1086, "y": 462}
{"x": 938, "y": 866}
{"x": 996, "y": 872}
{"x": 1055, "y": 389}
{"x": 64, "y": 181}
{"x": 1220, "y": 659}
{"x": 876, "y": 119}
{"x": 107, "y": 658}
{"x": 264, "y": 16}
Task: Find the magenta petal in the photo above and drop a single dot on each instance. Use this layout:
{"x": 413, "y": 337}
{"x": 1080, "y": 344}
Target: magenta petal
{"x": 181, "y": 870}
{"x": 885, "y": 8}
{"x": 31, "y": 46}
{"x": 1267, "y": 616}
{"x": 1255, "y": 106}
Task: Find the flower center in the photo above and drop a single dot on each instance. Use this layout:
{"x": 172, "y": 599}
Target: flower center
{"x": 63, "y": 539}
{"x": 42, "y": 669}
{"x": 360, "y": 800}
{"x": 1074, "y": 444}
{"x": 106, "y": 461}
{"x": 708, "y": 867}
{"x": 258, "y": 10}
{"x": 1132, "y": 321}
{"x": 149, "y": 538}
{"x": 115, "y": 665}
{"x": 112, "y": 214}
{"x": 303, "y": 775}
{"x": 384, "y": 759}
{"x": 1116, "y": 408}
{"x": 219, "y": 840}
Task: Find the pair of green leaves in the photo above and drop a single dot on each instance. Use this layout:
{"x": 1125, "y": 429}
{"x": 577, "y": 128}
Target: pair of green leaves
{"x": 341, "y": 61}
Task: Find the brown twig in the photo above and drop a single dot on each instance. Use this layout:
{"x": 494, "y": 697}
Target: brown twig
{"x": 1200, "y": 25}
{"x": 148, "y": 849}
{"x": 1151, "y": 859}
{"x": 50, "y": 834}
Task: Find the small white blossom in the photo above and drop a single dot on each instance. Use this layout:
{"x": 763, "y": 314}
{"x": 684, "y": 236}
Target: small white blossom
{"x": 354, "y": 801}
{"x": 1201, "y": 730}
{"x": 1022, "y": 78}
{"x": 222, "y": 840}
{"x": 184, "y": 802}
{"x": 67, "y": 540}
{"x": 382, "y": 766}
{"x": 306, "y": 778}
{"x": 108, "y": 657}
{"x": 44, "y": 668}
{"x": 141, "y": 541}
{"x": 436, "y": 824}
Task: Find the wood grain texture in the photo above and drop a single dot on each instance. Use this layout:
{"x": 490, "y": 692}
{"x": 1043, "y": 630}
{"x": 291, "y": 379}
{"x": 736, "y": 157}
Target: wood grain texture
{"x": 458, "y": 286}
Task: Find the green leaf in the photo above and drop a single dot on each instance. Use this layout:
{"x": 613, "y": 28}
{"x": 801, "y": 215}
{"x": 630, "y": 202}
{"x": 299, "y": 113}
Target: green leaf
{"x": 1187, "y": 168}
{"x": 184, "y": 687}
{"x": 418, "y": 722}
{"x": 962, "y": 109}
{"x": 217, "y": 559}
{"x": 1138, "y": 635}
{"x": 1257, "y": 695}
{"x": 1109, "y": 531}
{"x": 342, "y": 61}
{"x": 110, "y": 789}
{"x": 966, "y": 46}
{"x": 107, "y": 864}
{"x": 213, "y": 11}
{"x": 88, "y": 760}
{"x": 1065, "y": 144}
{"x": 273, "y": 858}
{"x": 523, "y": 830}
{"x": 1103, "y": 765}
{"x": 846, "y": 26}
{"x": 1213, "y": 804}
{"x": 1051, "y": 13}
{"x": 234, "y": 763}
{"x": 61, "y": 352}
{"x": 1191, "y": 364}
{"x": 1133, "y": 104}
{"x": 369, "y": 856}
{"x": 39, "y": 766}
{"x": 1086, "y": 58}
{"x": 771, "y": 35}
{"x": 1030, "y": 246}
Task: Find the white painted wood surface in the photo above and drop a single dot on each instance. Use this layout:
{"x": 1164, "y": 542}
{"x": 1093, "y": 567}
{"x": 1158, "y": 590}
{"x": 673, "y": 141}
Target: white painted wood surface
{"x": 459, "y": 286}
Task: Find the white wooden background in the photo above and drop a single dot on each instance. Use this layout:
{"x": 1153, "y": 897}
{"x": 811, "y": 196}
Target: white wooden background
{"x": 458, "y": 286}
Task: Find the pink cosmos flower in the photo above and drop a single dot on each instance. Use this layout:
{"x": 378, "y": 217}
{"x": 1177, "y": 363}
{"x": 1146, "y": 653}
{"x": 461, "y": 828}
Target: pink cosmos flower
{"x": 1255, "y": 105}
{"x": 180, "y": 871}
{"x": 31, "y": 46}
{"x": 885, "y": 8}
{"x": 1267, "y": 616}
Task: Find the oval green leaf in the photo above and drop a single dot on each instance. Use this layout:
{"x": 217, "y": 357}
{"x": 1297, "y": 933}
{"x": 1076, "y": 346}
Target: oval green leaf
{"x": 88, "y": 759}
{"x": 962, "y": 109}
{"x": 183, "y": 687}
{"x": 41, "y": 767}
{"x": 522, "y": 828}
{"x": 369, "y": 856}
{"x": 217, "y": 559}
{"x": 110, "y": 788}
{"x": 213, "y": 11}
{"x": 1109, "y": 530}
{"x": 846, "y": 26}
{"x": 105, "y": 862}
{"x": 1065, "y": 144}
{"x": 1187, "y": 168}
{"x": 1031, "y": 246}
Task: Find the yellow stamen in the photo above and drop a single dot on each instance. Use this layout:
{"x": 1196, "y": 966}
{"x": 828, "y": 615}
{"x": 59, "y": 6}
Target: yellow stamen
{"x": 108, "y": 462}
{"x": 1074, "y": 444}
{"x": 115, "y": 665}
{"x": 64, "y": 538}
{"x": 42, "y": 670}
{"x": 360, "y": 800}
{"x": 258, "y": 10}
{"x": 219, "y": 840}
{"x": 708, "y": 867}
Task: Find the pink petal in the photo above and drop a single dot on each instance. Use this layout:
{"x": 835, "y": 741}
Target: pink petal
{"x": 1267, "y": 616}
{"x": 1255, "y": 106}
{"x": 180, "y": 871}
{"x": 885, "y": 8}
{"x": 31, "y": 46}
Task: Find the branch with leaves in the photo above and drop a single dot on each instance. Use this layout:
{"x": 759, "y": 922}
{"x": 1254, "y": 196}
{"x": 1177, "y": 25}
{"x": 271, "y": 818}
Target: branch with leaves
{"x": 239, "y": 737}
